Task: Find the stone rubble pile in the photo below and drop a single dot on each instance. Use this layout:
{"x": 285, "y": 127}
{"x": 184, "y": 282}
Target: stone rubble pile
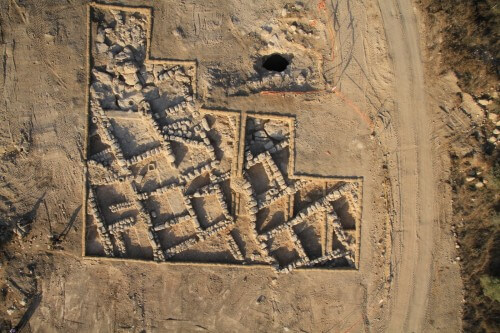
{"x": 171, "y": 222}
{"x": 164, "y": 140}
{"x": 102, "y": 156}
{"x": 141, "y": 157}
{"x": 216, "y": 228}
{"x": 190, "y": 175}
{"x": 101, "y": 227}
{"x": 169, "y": 253}
{"x": 121, "y": 226}
{"x": 235, "y": 249}
{"x": 121, "y": 206}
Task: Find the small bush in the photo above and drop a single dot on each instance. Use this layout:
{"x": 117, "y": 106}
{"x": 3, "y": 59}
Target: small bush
{"x": 491, "y": 287}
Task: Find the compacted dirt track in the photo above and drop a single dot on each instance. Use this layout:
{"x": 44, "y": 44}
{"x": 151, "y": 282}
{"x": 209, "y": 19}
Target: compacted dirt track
{"x": 413, "y": 242}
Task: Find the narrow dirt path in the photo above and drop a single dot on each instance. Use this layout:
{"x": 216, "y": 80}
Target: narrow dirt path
{"x": 412, "y": 236}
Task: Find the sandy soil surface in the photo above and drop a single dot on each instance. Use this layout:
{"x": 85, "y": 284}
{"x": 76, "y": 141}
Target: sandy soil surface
{"x": 155, "y": 176}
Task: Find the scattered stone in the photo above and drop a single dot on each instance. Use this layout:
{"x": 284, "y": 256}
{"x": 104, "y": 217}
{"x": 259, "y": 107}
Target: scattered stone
{"x": 471, "y": 107}
{"x": 275, "y": 131}
{"x": 101, "y": 48}
{"x": 484, "y": 102}
{"x": 103, "y": 77}
{"x": 268, "y": 145}
{"x": 493, "y": 117}
{"x": 260, "y": 135}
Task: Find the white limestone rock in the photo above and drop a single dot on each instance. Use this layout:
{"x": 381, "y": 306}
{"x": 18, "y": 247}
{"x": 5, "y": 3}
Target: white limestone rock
{"x": 275, "y": 131}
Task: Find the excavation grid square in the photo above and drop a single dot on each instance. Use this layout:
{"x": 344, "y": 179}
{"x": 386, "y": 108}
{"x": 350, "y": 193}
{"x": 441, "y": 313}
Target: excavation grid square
{"x": 171, "y": 181}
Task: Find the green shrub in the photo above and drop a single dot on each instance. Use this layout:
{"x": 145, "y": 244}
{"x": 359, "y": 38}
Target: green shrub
{"x": 491, "y": 287}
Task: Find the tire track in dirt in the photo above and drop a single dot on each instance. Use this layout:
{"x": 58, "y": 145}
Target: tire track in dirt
{"x": 412, "y": 255}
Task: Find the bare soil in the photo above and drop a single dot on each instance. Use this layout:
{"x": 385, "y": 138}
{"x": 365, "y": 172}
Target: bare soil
{"x": 464, "y": 40}
{"x": 157, "y": 176}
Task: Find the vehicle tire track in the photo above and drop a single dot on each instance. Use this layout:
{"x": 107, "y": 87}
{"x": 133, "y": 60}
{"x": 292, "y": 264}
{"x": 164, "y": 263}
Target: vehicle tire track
{"x": 412, "y": 265}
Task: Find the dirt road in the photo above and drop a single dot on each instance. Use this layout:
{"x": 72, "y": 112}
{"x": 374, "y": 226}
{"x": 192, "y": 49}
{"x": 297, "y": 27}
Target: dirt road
{"x": 412, "y": 255}
{"x": 226, "y": 39}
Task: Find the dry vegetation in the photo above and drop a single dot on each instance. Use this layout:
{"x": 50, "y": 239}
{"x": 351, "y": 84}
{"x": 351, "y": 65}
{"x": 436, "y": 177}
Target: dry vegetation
{"x": 471, "y": 44}
{"x": 475, "y": 183}
{"x": 468, "y": 44}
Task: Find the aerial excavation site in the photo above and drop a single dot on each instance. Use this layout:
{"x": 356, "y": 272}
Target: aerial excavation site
{"x": 248, "y": 166}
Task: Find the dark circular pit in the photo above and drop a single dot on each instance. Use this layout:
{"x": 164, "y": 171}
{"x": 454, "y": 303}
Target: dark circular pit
{"x": 275, "y": 62}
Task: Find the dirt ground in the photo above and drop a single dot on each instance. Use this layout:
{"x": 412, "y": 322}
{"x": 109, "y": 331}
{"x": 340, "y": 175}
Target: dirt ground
{"x": 362, "y": 113}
